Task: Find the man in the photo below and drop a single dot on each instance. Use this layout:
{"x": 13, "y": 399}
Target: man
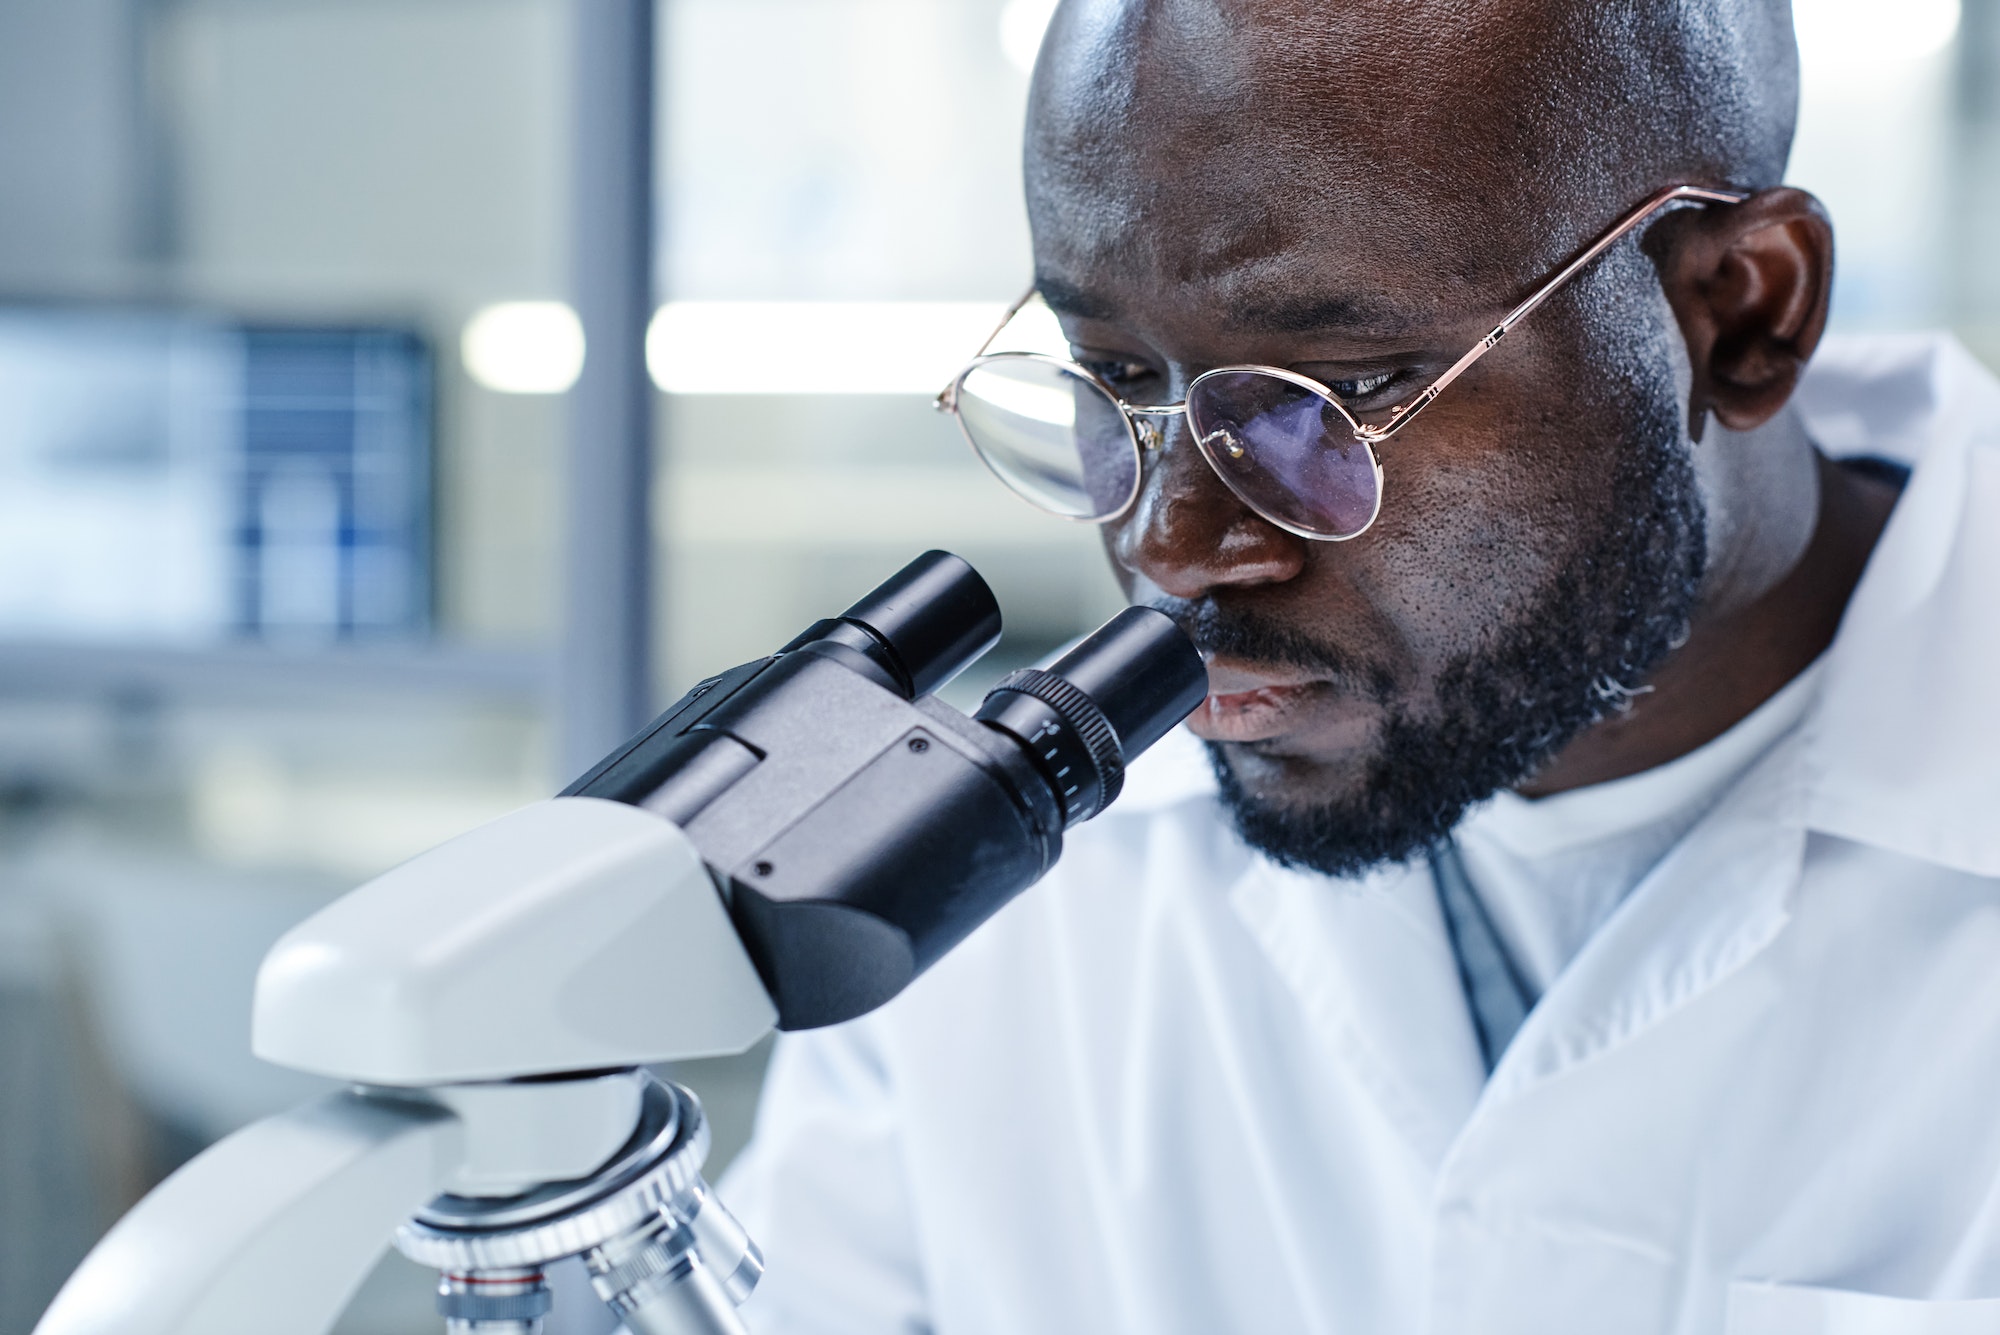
{"x": 1590, "y": 922}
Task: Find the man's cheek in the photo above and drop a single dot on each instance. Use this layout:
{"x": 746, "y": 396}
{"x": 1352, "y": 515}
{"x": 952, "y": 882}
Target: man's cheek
{"x": 1476, "y": 539}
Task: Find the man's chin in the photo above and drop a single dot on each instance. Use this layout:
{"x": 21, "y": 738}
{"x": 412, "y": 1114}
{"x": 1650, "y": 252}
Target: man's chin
{"x": 1321, "y": 813}
{"x": 1287, "y": 775}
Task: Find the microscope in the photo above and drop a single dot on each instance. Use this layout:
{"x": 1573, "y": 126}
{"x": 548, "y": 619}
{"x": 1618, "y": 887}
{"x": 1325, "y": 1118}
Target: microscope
{"x": 787, "y": 847}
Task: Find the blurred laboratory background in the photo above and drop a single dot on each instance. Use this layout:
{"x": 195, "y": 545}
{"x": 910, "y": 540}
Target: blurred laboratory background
{"x": 295, "y": 297}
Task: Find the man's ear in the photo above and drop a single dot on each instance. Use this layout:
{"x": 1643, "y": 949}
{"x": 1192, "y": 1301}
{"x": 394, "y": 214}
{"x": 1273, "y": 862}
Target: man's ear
{"x": 1749, "y": 284}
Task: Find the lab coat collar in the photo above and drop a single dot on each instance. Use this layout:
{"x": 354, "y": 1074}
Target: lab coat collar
{"x": 1371, "y": 966}
{"x": 1900, "y": 752}
{"x": 1893, "y": 755}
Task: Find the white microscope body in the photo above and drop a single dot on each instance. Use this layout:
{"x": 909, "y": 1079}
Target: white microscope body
{"x": 785, "y": 848}
{"x": 574, "y": 935}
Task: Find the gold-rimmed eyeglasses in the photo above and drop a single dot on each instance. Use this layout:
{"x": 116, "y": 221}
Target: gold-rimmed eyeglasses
{"x": 1285, "y": 444}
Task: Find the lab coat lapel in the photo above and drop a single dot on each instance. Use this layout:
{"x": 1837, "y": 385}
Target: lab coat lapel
{"x": 1372, "y": 970}
{"x": 1902, "y": 747}
{"x": 1374, "y": 976}
{"x": 1522, "y": 1244}
{"x": 1716, "y": 901}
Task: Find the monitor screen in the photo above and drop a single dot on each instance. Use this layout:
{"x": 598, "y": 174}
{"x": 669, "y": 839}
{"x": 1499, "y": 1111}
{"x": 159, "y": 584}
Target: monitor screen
{"x": 170, "y": 477}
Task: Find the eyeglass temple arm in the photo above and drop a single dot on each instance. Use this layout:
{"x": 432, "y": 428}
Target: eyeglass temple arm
{"x": 1694, "y": 194}
{"x": 943, "y": 401}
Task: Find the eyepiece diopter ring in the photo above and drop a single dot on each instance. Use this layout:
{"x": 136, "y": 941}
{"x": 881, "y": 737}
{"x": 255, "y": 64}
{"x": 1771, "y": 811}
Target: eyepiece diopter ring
{"x": 1069, "y": 738}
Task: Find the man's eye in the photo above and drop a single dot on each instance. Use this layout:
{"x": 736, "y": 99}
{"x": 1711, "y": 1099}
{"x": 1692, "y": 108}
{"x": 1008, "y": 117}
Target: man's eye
{"x": 1361, "y": 388}
{"x": 1119, "y": 374}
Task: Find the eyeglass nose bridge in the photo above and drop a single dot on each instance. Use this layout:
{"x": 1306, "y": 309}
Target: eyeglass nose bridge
{"x": 1149, "y": 423}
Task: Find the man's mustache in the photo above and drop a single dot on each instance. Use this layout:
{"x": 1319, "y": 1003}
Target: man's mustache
{"x": 1234, "y": 633}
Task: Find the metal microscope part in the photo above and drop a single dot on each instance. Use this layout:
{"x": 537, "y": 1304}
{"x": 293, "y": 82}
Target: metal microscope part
{"x": 512, "y": 1302}
{"x": 724, "y": 1244}
{"x": 661, "y": 1161}
{"x": 660, "y": 1249}
{"x": 659, "y": 1283}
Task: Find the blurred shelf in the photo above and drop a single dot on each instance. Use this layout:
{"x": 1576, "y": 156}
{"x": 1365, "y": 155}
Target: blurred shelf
{"x": 258, "y": 672}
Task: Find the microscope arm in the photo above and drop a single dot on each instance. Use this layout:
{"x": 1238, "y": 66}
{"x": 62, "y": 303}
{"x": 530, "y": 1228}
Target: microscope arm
{"x": 270, "y": 1231}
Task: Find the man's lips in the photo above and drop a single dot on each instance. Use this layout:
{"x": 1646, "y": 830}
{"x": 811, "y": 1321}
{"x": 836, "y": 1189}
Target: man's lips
{"x": 1249, "y": 703}
{"x": 1234, "y": 676}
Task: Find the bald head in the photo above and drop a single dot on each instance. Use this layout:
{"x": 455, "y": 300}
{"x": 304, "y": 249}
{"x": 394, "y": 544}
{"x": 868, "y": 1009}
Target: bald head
{"x": 1524, "y": 112}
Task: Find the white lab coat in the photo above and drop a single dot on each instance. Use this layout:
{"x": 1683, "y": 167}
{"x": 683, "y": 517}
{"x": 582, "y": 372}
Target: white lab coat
{"x": 1174, "y": 1088}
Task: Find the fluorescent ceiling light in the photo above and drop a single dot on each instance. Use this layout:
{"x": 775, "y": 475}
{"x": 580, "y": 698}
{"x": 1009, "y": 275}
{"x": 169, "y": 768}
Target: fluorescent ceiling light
{"x": 524, "y": 347}
{"x": 1860, "y": 34}
{"x": 1022, "y": 23}
{"x": 815, "y": 347}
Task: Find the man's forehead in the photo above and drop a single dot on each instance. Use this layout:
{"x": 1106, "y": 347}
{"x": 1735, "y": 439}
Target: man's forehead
{"x": 1326, "y": 305}
{"x": 1242, "y": 253}
{"x": 1253, "y": 155}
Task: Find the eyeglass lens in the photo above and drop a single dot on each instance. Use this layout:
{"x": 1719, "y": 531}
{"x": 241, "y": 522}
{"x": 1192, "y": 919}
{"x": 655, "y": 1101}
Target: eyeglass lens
{"x": 1063, "y": 443}
{"x": 1287, "y": 451}
{"x": 1052, "y": 435}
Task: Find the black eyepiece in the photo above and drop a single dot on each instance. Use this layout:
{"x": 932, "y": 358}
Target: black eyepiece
{"x": 935, "y": 616}
{"x": 1143, "y": 672}
{"x": 1100, "y": 705}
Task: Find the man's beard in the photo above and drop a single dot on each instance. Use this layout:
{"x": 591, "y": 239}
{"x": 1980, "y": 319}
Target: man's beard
{"x": 1619, "y": 606}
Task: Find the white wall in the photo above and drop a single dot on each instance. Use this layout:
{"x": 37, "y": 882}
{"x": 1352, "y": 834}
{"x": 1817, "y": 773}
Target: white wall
{"x": 70, "y": 144}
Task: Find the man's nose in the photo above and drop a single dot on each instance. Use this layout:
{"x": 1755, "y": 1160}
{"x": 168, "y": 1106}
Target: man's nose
{"x": 1189, "y": 534}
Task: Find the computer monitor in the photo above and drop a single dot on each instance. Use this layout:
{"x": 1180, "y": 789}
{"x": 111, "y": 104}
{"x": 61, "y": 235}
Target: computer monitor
{"x": 181, "y": 478}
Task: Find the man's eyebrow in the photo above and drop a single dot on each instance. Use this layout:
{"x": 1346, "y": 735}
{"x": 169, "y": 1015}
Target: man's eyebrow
{"x": 1346, "y": 313}
{"x": 1068, "y": 299}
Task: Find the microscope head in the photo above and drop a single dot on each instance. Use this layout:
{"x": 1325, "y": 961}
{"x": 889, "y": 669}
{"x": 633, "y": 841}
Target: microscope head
{"x": 790, "y": 844}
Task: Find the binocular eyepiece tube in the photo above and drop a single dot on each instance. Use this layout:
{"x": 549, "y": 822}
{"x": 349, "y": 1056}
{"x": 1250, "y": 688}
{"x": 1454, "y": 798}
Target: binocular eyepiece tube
{"x": 1105, "y": 701}
{"x": 858, "y": 826}
{"x": 928, "y": 622}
